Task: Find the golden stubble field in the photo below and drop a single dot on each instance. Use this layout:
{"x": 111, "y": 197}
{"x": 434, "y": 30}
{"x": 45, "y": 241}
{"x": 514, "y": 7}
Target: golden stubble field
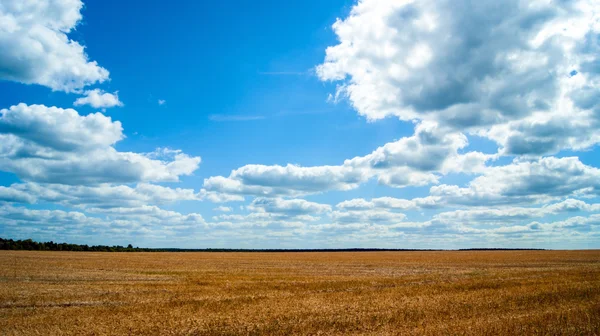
{"x": 383, "y": 293}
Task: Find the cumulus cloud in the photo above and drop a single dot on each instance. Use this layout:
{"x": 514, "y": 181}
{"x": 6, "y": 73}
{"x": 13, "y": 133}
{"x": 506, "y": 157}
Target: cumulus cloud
{"x": 273, "y": 213}
{"x": 218, "y": 197}
{"x": 148, "y": 221}
{"x": 290, "y": 180}
{"x": 101, "y": 196}
{"x": 367, "y": 217}
{"x": 390, "y": 203}
{"x": 59, "y": 129}
{"x": 506, "y": 215}
{"x": 504, "y": 69}
{"x": 100, "y": 166}
{"x": 20, "y": 216}
{"x": 290, "y": 208}
{"x": 99, "y": 99}
{"x": 54, "y": 145}
{"x": 577, "y": 230}
{"x": 528, "y": 181}
{"x": 411, "y": 161}
{"x": 578, "y": 222}
{"x": 12, "y": 195}
{"x": 380, "y": 232}
{"x": 35, "y": 48}
{"x": 223, "y": 209}
{"x": 261, "y": 220}
{"x": 362, "y": 220}
{"x": 152, "y": 215}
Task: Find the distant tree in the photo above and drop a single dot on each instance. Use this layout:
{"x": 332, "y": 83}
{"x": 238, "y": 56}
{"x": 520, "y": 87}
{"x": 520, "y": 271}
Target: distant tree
{"x": 28, "y": 244}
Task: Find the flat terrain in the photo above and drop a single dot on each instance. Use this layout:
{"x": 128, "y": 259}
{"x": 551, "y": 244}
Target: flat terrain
{"x": 384, "y": 293}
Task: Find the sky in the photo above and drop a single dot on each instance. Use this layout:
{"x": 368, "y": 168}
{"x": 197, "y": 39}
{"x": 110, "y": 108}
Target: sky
{"x": 301, "y": 124}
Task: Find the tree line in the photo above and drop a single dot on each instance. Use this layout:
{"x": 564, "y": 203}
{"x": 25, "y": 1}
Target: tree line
{"x": 30, "y": 245}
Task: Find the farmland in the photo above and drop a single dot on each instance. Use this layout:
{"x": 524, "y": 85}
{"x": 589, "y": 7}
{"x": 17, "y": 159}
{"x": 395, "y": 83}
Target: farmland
{"x": 384, "y": 293}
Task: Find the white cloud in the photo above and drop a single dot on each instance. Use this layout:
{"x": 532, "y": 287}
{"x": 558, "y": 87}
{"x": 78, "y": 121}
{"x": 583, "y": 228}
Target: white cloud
{"x": 290, "y": 180}
{"x": 117, "y": 223}
{"x": 20, "y": 216}
{"x": 503, "y": 69}
{"x": 571, "y": 205}
{"x": 223, "y": 209}
{"x": 528, "y": 181}
{"x": 59, "y": 129}
{"x": 576, "y": 230}
{"x": 411, "y": 161}
{"x": 162, "y": 102}
{"x": 12, "y": 195}
{"x": 99, "y": 99}
{"x": 577, "y": 222}
{"x": 100, "y": 166}
{"x": 151, "y": 215}
{"x": 274, "y": 213}
{"x": 102, "y": 196}
{"x": 507, "y": 215}
{"x": 218, "y": 197}
{"x": 360, "y": 204}
{"x": 377, "y": 233}
{"x": 289, "y": 208}
{"x": 390, "y": 203}
{"x": 36, "y": 49}
{"x": 367, "y": 217}
{"x": 260, "y": 220}
{"x": 361, "y": 219}
{"x": 53, "y": 145}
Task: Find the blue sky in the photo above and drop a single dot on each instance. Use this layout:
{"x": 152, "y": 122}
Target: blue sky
{"x": 425, "y": 124}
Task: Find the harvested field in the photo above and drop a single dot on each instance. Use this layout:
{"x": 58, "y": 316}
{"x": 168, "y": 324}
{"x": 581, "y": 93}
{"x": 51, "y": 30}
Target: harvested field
{"x": 383, "y": 293}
